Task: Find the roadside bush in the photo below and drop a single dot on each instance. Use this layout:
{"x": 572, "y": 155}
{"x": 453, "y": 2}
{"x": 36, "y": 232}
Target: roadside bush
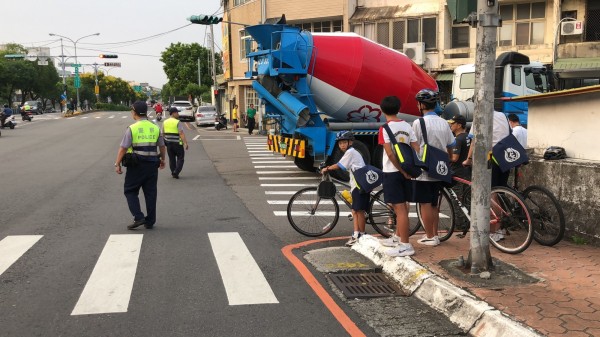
{"x": 112, "y": 107}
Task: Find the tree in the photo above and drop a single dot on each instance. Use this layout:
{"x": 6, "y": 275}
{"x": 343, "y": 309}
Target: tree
{"x": 181, "y": 66}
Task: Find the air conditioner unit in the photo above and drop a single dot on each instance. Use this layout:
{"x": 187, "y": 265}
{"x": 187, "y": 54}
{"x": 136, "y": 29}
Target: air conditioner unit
{"x": 415, "y": 51}
{"x": 571, "y": 28}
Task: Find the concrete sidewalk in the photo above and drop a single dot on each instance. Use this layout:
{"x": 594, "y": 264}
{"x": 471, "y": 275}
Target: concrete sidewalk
{"x": 565, "y": 301}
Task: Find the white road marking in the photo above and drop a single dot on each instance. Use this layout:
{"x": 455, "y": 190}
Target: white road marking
{"x": 195, "y": 138}
{"x": 112, "y": 116}
{"x": 287, "y": 178}
{"x": 286, "y": 185}
{"x": 260, "y": 151}
{"x": 275, "y": 166}
{"x": 285, "y": 192}
{"x": 124, "y": 117}
{"x": 300, "y": 202}
{"x": 243, "y": 280}
{"x": 13, "y": 247}
{"x": 98, "y": 117}
{"x": 261, "y": 155}
{"x": 307, "y": 213}
{"x": 84, "y": 117}
{"x": 109, "y": 287}
{"x": 277, "y": 172}
{"x": 271, "y": 161}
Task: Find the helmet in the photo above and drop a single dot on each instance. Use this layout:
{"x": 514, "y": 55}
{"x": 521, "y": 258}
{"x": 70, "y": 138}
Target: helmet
{"x": 555, "y": 152}
{"x": 427, "y": 96}
{"x": 344, "y": 135}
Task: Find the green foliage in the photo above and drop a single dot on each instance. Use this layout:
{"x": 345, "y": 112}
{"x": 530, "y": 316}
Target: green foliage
{"x": 112, "y": 107}
{"x": 578, "y": 240}
{"x": 181, "y": 67}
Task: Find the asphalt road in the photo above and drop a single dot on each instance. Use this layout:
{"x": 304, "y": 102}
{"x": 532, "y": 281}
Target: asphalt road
{"x": 212, "y": 266}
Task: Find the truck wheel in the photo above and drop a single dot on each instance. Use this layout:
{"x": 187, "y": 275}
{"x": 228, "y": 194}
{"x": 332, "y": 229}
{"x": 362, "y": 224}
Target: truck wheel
{"x": 377, "y": 159}
{"x": 305, "y": 164}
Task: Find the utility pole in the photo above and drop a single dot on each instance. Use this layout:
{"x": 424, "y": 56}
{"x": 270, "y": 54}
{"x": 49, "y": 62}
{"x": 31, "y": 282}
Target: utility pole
{"x": 96, "y": 87}
{"x": 64, "y": 79}
{"x": 214, "y": 71}
{"x": 199, "y": 78}
{"x": 487, "y": 21}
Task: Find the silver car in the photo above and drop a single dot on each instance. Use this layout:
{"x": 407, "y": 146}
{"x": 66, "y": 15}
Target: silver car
{"x": 206, "y": 115}
{"x": 186, "y": 110}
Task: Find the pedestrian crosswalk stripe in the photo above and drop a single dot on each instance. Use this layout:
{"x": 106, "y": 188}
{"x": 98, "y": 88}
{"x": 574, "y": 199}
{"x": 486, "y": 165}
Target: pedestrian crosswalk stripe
{"x": 112, "y": 116}
{"x": 97, "y": 117}
{"x": 243, "y": 280}
{"x": 286, "y": 185}
{"x": 268, "y": 162}
{"x": 84, "y": 117}
{"x": 274, "y": 166}
{"x": 287, "y": 178}
{"x": 261, "y": 155}
{"x": 109, "y": 287}
{"x": 276, "y": 172}
{"x": 307, "y": 213}
{"x": 283, "y": 192}
{"x": 13, "y": 247}
{"x": 300, "y": 202}
{"x": 124, "y": 117}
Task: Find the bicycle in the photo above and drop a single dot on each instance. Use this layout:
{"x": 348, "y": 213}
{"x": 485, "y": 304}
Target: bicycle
{"x": 313, "y": 216}
{"x": 508, "y": 209}
{"x": 546, "y": 212}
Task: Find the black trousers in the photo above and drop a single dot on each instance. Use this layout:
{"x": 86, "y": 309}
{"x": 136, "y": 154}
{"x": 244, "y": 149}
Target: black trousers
{"x": 144, "y": 176}
{"x": 176, "y": 154}
{"x": 251, "y": 125}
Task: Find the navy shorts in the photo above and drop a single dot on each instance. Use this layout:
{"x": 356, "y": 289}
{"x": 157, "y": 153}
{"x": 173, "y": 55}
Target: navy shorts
{"x": 235, "y": 121}
{"x": 360, "y": 201}
{"x": 427, "y": 192}
{"x": 396, "y": 188}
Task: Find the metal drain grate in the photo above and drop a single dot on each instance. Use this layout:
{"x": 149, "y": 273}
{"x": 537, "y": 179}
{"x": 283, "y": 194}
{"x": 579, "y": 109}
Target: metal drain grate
{"x": 365, "y": 285}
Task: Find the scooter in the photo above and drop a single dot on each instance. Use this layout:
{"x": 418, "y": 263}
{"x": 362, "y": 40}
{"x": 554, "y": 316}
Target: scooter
{"x": 9, "y": 122}
{"x": 26, "y": 116}
{"x": 221, "y": 122}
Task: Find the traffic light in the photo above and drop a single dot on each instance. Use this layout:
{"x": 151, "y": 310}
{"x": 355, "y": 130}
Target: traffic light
{"x": 108, "y": 56}
{"x": 205, "y": 19}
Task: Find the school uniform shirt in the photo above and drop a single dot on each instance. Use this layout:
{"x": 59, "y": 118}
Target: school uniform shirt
{"x": 439, "y": 135}
{"x": 351, "y": 160}
{"x": 501, "y": 128}
{"x": 403, "y": 133}
{"x": 521, "y": 135}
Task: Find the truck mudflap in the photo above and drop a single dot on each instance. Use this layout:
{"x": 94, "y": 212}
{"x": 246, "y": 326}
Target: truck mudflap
{"x": 287, "y": 146}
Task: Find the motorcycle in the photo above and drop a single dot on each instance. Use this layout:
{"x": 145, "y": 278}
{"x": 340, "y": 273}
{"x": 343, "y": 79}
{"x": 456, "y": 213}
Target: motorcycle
{"x": 221, "y": 122}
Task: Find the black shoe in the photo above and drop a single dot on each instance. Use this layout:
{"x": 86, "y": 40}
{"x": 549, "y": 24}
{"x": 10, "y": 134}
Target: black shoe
{"x": 136, "y": 224}
{"x": 176, "y": 176}
{"x": 149, "y": 227}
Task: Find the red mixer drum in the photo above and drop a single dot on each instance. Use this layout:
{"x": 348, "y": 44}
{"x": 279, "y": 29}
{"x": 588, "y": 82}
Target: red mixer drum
{"x": 353, "y": 74}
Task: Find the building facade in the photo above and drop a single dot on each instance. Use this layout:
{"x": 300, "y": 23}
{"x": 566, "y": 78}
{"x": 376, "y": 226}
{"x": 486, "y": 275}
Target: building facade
{"x": 563, "y": 34}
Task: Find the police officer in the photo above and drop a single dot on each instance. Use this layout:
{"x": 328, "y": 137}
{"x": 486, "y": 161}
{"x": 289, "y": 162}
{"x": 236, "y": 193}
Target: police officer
{"x": 142, "y": 140}
{"x": 175, "y": 141}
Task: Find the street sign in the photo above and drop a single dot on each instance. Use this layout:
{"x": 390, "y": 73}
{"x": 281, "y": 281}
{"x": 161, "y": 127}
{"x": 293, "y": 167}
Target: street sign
{"x": 77, "y": 81}
{"x": 112, "y": 64}
{"x": 66, "y": 65}
{"x": 42, "y": 62}
{"x": 15, "y": 56}
{"x": 137, "y": 88}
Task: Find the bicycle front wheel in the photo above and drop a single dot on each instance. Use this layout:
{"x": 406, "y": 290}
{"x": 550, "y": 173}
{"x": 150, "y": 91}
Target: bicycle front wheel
{"x": 311, "y": 215}
{"x": 381, "y": 216}
{"x": 446, "y": 215}
{"x": 547, "y": 215}
{"x": 509, "y": 213}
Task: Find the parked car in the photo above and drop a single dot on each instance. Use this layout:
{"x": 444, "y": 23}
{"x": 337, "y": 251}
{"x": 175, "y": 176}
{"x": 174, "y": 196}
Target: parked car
{"x": 185, "y": 108}
{"x": 205, "y": 115}
{"x": 36, "y": 107}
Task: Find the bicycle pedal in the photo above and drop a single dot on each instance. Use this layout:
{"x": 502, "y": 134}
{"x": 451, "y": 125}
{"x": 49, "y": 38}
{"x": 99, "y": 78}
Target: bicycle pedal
{"x": 460, "y": 236}
{"x": 350, "y": 218}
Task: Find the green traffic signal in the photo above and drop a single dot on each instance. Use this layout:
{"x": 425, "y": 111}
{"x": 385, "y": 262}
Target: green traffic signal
{"x": 205, "y": 19}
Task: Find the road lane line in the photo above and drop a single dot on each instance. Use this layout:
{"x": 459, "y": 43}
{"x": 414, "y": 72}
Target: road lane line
{"x": 13, "y": 247}
{"x": 243, "y": 280}
{"x": 109, "y": 287}
{"x": 312, "y": 281}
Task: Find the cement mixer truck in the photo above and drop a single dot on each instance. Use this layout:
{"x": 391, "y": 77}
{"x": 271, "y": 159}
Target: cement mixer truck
{"x": 314, "y": 85}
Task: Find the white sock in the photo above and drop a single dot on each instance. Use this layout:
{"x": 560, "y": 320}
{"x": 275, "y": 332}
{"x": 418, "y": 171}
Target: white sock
{"x": 355, "y": 234}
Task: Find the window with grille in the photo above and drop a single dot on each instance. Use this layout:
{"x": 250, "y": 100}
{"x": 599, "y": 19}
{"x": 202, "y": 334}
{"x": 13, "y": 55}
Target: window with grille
{"x": 240, "y": 2}
{"x": 592, "y": 24}
{"x": 522, "y": 24}
{"x": 245, "y": 44}
{"x": 251, "y": 98}
{"x": 396, "y": 33}
{"x": 321, "y": 26}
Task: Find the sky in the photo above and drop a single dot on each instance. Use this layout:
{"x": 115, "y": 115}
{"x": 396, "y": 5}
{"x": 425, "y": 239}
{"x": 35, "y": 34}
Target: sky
{"x": 116, "y": 21}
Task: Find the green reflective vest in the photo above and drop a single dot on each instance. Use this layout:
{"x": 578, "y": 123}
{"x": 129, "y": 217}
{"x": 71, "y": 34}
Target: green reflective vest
{"x": 144, "y": 138}
{"x": 171, "y": 131}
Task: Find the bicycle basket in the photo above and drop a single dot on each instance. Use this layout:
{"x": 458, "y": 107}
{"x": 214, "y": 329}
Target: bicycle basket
{"x": 326, "y": 188}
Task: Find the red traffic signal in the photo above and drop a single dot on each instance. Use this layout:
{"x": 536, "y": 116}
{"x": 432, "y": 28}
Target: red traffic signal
{"x": 108, "y": 56}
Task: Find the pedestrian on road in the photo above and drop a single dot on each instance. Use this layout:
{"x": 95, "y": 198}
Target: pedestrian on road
{"x": 458, "y": 125}
{"x": 143, "y": 141}
{"x": 234, "y": 118}
{"x": 518, "y": 131}
{"x": 350, "y": 161}
{"x": 175, "y": 141}
{"x": 250, "y": 113}
{"x": 397, "y": 184}
{"x": 427, "y": 189}
{"x": 500, "y": 130}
